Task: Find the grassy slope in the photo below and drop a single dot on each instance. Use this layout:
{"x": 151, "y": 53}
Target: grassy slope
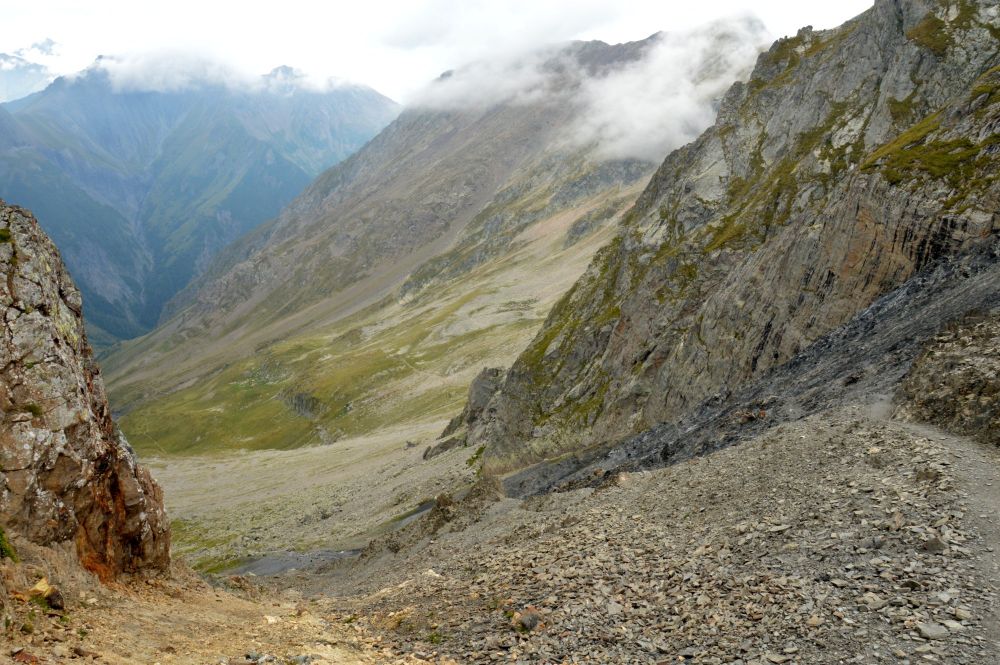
{"x": 390, "y": 364}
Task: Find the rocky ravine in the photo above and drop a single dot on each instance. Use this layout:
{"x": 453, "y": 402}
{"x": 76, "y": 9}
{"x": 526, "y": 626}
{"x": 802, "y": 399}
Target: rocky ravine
{"x": 66, "y": 472}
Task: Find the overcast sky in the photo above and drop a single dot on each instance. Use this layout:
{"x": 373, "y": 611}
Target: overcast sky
{"x": 395, "y": 46}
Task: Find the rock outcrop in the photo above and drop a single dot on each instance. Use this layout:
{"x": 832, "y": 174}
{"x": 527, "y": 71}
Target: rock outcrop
{"x": 956, "y": 381}
{"x": 481, "y": 391}
{"x": 851, "y": 160}
{"x": 66, "y": 472}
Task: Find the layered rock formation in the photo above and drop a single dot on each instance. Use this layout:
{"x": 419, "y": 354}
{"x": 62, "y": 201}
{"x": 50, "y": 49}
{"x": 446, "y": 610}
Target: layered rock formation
{"x": 851, "y": 160}
{"x": 66, "y": 472}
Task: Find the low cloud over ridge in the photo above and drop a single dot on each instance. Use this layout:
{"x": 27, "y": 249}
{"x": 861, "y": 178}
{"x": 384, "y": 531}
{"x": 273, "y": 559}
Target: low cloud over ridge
{"x": 175, "y": 71}
{"x": 641, "y": 109}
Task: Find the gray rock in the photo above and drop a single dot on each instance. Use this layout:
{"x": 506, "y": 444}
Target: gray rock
{"x": 68, "y": 472}
{"x": 932, "y": 631}
{"x": 737, "y": 256}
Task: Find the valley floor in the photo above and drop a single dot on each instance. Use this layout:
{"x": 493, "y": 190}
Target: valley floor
{"x": 236, "y": 508}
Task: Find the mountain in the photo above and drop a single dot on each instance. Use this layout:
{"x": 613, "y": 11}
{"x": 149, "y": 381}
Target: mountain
{"x": 19, "y": 77}
{"x": 853, "y": 160}
{"x": 151, "y": 184}
{"x": 66, "y": 471}
{"x": 379, "y": 293}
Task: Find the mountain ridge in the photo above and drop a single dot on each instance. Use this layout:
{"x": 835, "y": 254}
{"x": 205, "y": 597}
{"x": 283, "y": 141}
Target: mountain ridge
{"x": 183, "y": 172}
{"x": 413, "y": 260}
{"x": 728, "y": 220}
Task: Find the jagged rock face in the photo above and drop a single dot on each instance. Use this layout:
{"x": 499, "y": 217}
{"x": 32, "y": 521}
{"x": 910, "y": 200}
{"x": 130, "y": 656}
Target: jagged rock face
{"x": 819, "y": 189}
{"x": 66, "y": 472}
{"x": 481, "y": 391}
{"x": 956, "y": 381}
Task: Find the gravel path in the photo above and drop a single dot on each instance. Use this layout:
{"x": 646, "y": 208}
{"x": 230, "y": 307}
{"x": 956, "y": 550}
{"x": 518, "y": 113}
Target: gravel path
{"x": 976, "y": 467}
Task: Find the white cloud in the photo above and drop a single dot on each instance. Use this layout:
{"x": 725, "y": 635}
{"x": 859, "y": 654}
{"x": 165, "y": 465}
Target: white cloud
{"x": 395, "y": 46}
{"x": 484, "y": 83}
{"x": 641, "y": 109}
{"x": 166, "y": 71}
{"x": 173, "y": 71}
{"x": 668, "y": 98}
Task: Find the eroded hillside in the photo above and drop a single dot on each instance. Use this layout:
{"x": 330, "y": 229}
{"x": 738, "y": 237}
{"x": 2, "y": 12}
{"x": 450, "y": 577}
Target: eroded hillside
{"x": 435, "y": 250}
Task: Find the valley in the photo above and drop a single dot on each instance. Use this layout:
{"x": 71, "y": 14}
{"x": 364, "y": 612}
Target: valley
{"x": 141, "y": 187}
{"x": 501, "y": 387}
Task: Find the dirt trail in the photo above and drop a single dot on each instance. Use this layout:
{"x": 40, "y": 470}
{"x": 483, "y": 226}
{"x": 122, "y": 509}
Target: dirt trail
{"x": 976, "y": 469}
{"x": 184, "y": 621}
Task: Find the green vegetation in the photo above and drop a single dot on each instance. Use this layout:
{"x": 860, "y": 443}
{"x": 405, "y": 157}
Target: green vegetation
{"x": 914, "y": 151}
{"x": 366, "y": 373}
{"x": 34, "y": 410}
{"x": 901, "y": 110}
{"x": 951, "y": 160}
{"x": 478, "y": 455}
{"x": 246, "y": 405}
{"x": 6, "y": 236}
{"x": 987, "y": 85}
{"x": 725, "y": 234}
{"x": 7, "y": 550}
{"x": 190, "y": 539}
{"x": 932, "y": 34}
{"x": 910, "y": 137}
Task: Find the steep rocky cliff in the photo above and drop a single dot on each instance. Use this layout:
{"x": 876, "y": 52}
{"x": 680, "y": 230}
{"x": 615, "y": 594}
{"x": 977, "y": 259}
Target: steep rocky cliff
{"x": 66, "y": 472}
{"x": 852, "y": 159}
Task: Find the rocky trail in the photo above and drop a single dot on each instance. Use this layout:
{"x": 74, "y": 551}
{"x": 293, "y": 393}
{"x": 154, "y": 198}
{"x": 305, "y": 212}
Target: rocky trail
{"x": 846, "y": 537}
{"x": 976, "y": 468}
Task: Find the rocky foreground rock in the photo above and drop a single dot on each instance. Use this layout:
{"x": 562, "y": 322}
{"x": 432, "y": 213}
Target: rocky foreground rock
{"x": 66, "y": 472}
{"x": 956, "y": 381}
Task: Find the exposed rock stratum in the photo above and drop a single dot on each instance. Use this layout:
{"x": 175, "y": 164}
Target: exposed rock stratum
{"x": 66, "y": 472}
{"x": 853, "y": 159}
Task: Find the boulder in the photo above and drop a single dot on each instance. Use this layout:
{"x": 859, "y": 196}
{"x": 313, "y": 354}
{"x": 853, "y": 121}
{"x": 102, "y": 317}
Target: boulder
{"x": 66, "y": 471}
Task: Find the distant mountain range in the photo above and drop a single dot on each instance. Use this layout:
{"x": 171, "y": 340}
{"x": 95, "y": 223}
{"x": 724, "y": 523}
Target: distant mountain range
{"x": 19, "y": 77}
{"x": 140, "y": 188}
{"x": 21, "y": 73}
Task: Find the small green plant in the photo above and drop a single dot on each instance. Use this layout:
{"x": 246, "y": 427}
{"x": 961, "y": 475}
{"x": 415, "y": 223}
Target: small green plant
{"x": 932, "y": 34}
{"x": 6, "y": 549}
{"x": 34, "y": 410}
{"x": 5, "y": 235}
{"x": 40, "y": 601}
{"x": 901, "y": 110}
{"x": 478, "y": 455}
{"x": 435, "y": 638}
